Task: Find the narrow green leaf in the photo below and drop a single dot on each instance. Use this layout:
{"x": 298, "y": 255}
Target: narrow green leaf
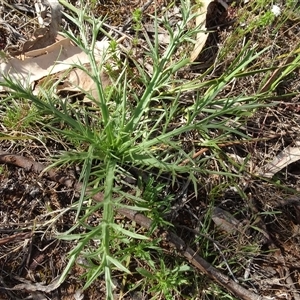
{"x": 128, "y": 232}
{"x": 118, "y": 264}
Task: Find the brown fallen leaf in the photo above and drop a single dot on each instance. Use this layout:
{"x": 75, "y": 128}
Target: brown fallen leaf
{"x": 224, "y": 220}
{"x": 44, "y": 37}
{"x": 202, "y": 34}
{"x": 80, "y": 80}
{"x": 283, "y": 159}
{"x": 33, "y": 287}
{"x": 202, "y": 14}
{"x": 53, "y": 59}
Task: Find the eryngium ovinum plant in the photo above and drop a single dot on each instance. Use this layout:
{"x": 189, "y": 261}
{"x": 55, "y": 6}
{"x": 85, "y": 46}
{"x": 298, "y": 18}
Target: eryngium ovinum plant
{"x": 138, "y": 123}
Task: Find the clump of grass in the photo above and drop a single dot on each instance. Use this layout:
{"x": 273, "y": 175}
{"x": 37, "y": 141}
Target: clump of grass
{"x": 19, "y": 115}
{"x": 161, "y": 278}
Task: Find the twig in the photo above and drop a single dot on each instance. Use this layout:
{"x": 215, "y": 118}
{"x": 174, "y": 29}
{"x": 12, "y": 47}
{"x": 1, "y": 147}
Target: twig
{"x": 291, "y": 284}
{"x": 15, "y": 237}
{"x": 38, "y": 168}
{"x": 177, "y": 242}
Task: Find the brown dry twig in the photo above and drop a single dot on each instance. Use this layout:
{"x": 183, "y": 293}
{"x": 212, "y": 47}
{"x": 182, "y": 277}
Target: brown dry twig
{"x": 38, "y": 168}
{"x": 193, "y": 258}
{"x": 15, "y": 237}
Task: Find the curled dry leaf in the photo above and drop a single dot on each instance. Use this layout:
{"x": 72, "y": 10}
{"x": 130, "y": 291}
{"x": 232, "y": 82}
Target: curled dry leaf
{"x": 283, "y": 159}
{"x": 224, "y": 220}
{"x": 34, "y": 287}
{"x": 78, "y": 81}
{"x": 202, "y": 34}
{"x": 202, "y": 14}
{"x": 58, "y": 59}
{"x": 45, "y": 37}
